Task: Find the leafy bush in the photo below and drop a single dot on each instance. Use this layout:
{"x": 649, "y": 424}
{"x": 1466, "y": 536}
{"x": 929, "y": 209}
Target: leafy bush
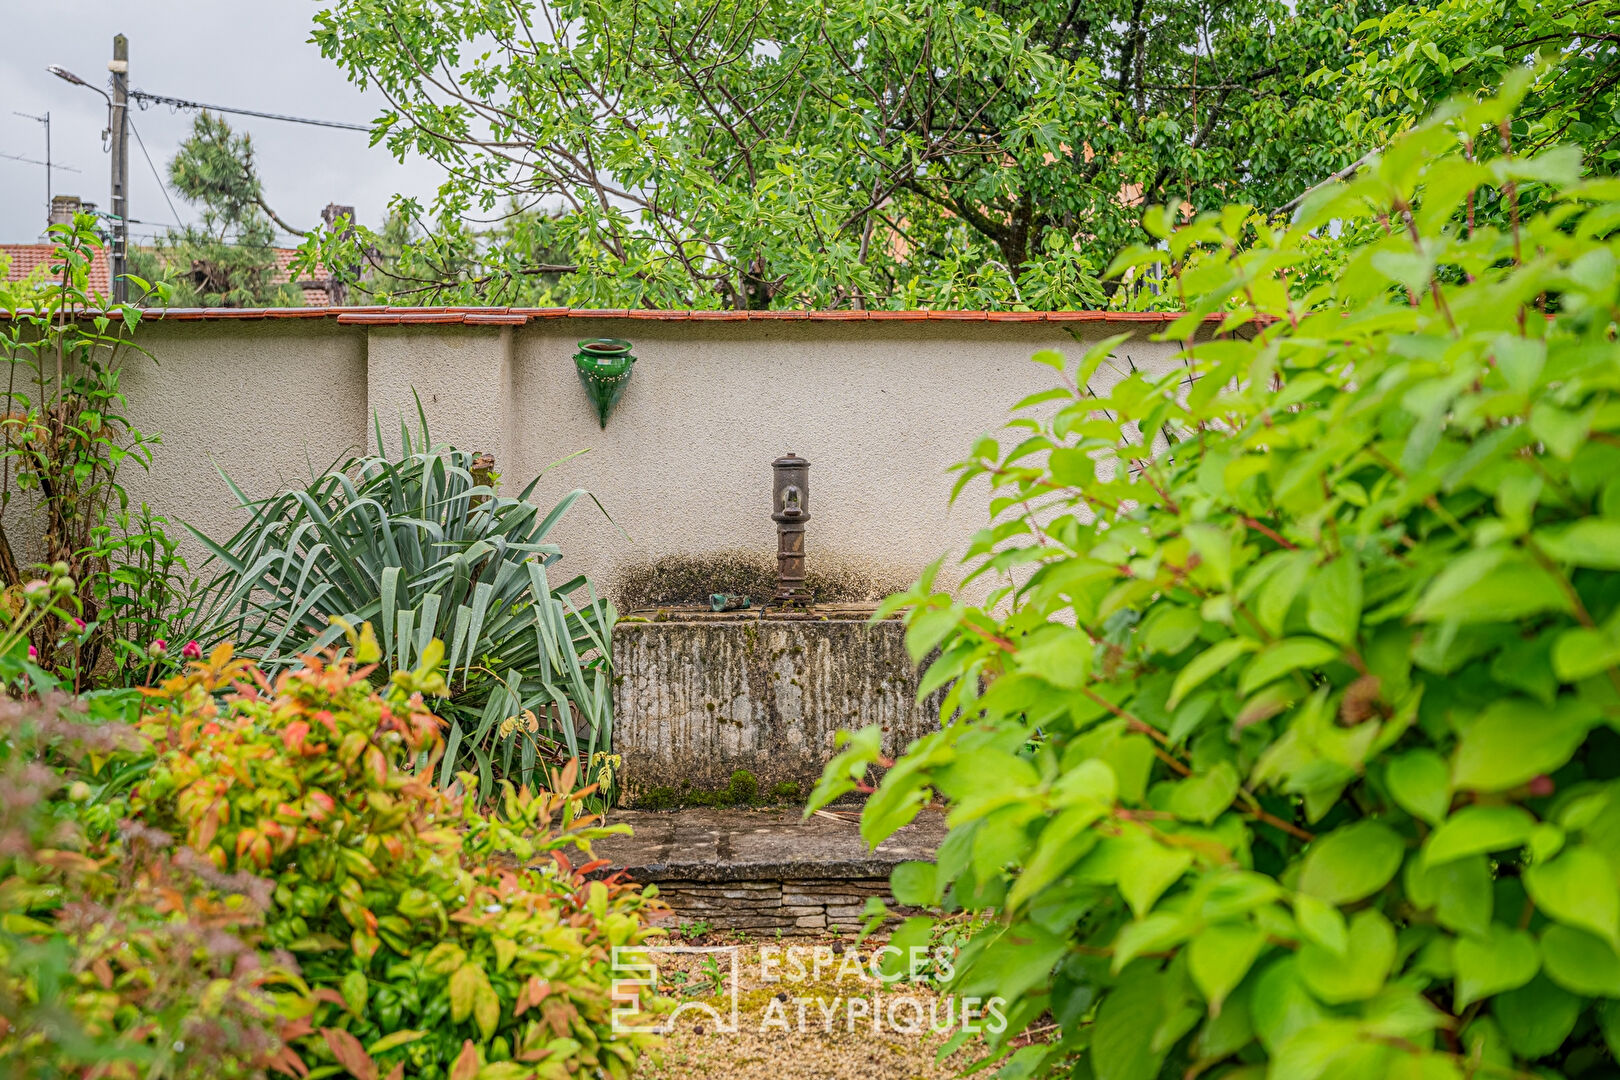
{"x": 65, "y": 444}
{"x": 145, "y": 594}
{"x": 430, "y": 937}
{"x": 120, "y": 956}
{"x": 423, "y": 546}
{"x": 1290, "y": 750}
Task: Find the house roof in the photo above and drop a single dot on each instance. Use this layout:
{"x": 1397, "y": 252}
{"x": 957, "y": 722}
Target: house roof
{"x": 313, "y": 297}
{"x": 26, "y": 257}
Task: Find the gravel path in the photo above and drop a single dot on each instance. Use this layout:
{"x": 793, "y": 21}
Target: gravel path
{"x": 814, "y": 1026}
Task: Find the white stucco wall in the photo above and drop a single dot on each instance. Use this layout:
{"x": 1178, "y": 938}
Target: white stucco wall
{"x": 270, "y": 403}
{"x": 881, "y": 409}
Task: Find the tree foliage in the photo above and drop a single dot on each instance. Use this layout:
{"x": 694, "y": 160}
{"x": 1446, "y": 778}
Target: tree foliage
{"x": 1417, "y": 56}
{"x": 727, "y": 154}
{"x": 1288, "y": 749}
{"x": 228, "y": 259}
{"x": 415, "y": 259}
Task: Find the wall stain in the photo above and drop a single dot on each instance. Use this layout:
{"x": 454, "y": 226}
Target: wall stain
{"x": 696, "y": 701}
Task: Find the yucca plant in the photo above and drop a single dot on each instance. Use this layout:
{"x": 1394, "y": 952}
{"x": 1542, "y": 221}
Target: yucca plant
{"x": 422, "y": 546}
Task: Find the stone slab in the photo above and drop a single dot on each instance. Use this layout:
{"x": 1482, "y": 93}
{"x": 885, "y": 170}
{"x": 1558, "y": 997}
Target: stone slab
{"x": 718, "y": 846}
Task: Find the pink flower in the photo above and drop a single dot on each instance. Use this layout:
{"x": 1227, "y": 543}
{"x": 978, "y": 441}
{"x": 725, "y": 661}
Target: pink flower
{"x": 158, "y": 647}
{"x": 33, "y": 653}
{"x": 192, "y": 651}
{"x": 78, "y": 622}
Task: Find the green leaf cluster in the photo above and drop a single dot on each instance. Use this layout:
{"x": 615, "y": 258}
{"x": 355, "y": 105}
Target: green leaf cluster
{"x": 434, "y": 935}
{"x": 923, "y": 153}
{"x": 67, "y": 445}
{"x": 1285, "y": 742}
{"x": 420, "y": 544}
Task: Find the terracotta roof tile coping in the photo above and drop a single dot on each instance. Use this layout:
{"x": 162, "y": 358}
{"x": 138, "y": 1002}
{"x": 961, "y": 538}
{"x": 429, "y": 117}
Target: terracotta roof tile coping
{"x": 378, "y": 315}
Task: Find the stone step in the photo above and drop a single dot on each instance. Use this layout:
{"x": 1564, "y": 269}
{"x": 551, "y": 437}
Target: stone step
{"x": 763, "y": 870}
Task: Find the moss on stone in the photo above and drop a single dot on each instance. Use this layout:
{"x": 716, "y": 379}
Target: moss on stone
{"x": 675, "y": 580}
{"x": 742, "y": 789}
{"x": 658, "y": 798}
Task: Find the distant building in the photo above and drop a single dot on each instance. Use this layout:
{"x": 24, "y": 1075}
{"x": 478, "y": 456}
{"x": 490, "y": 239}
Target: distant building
{"x": 316, "y": 293}
{"x": 25, "y": 259}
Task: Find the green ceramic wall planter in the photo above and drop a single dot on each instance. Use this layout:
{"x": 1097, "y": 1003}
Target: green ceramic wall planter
{"x": 604, "y": 366}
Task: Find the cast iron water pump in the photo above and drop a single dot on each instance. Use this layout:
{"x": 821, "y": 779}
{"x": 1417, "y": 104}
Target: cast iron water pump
{"x": 790, "y": 500}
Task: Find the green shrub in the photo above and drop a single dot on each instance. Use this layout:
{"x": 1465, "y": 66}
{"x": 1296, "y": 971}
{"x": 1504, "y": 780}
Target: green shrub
{"x": 429, "y": 935}
{"x": 66, "y": 444}
{"x": 1285, "y": 745}
{"x": 422, "y": 545}
{"x": 120, "y": 956}
{"x": 657, "y": 798}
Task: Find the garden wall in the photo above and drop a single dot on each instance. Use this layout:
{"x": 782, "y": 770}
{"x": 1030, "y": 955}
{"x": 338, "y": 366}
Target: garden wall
{"x": 881, "y": 407}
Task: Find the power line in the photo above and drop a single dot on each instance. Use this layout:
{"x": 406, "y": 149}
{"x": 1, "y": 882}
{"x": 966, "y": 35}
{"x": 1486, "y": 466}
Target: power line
{"x": 143, "y": 98}
{"x": 161, "y": 185}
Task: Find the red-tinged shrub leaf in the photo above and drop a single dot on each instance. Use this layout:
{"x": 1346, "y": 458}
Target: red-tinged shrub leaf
{"x": 465, "y": 1066}
{"x": 286, "y": 1060}
{"x": 350, "y": 1054}
{"x": 293, "y": 736}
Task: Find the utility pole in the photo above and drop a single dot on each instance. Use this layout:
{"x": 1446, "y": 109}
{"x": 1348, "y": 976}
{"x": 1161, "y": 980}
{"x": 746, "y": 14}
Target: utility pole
{"x": 119, "y": 124}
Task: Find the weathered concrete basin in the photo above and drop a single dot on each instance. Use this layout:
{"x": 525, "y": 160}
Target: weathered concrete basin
{"x": 698, "y": 695}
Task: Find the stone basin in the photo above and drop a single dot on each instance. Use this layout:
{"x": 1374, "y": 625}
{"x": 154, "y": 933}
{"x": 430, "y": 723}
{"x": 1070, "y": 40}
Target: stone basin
{"x": 699, "y": 695}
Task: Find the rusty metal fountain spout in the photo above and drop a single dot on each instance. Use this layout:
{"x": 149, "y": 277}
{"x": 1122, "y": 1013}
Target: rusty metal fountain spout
{"x": 790, "y": 499}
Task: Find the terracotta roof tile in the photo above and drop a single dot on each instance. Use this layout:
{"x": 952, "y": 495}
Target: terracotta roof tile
{"x": 25, "y": 257}
{"x": 379, "y": 315}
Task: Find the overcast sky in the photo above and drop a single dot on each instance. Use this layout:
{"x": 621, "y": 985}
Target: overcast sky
{"x": 250, "y": 54}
